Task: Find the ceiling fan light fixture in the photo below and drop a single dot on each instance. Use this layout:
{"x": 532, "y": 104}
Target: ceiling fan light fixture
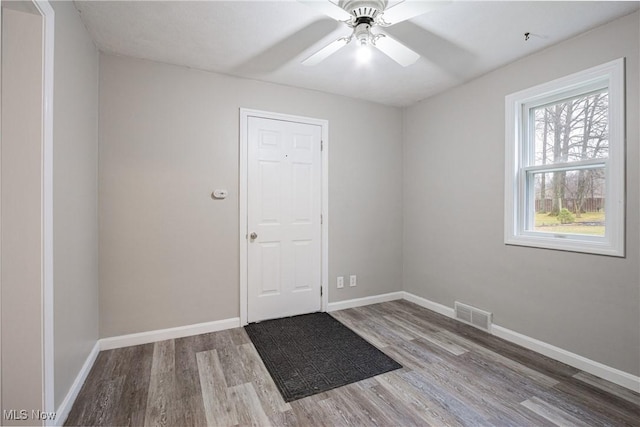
{"x": 361, "y": 16}
{"x": 363, "y": 54}
{"x": 362, "y": 33}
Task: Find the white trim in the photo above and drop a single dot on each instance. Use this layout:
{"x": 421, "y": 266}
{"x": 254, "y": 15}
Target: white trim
{"x": 595, "y": 368}
{"x": 242, "y": 199}
{"x": 65, "y": 407}
{"x": 135, "y": 339}
{"x": 245, "y": 113}
{"x": 47, "y": 302}
{"x": 325, "y": 215}
{"x": 359, "y": 302}
{"x": 598, "y": 369}
{"x": 610, "y": 75}
{"x": 431, "y": 305}
{"x": 168, "y": 334}
{"x": 1, "y": 404}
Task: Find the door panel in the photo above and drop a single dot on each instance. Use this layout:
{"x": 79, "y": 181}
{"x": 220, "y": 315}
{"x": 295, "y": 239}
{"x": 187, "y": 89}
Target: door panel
{"x": 284, "y": 203}
{"x": 303, "y": 270}
{"x": 270, "y": 193}
{"x": 270, "y": 261}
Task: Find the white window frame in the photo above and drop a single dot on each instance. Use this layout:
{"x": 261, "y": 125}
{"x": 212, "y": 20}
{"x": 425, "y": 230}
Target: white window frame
{"x": 517, "y": 154}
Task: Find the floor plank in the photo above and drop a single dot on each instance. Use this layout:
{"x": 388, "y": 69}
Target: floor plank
{"x": 452, "y": 375}
{"x": 257, "y": 373}
{"x": 554, "y": 414}
{"x": 219, "y": 407}
{"x": 247, "y": 405}
{"x": 605, "y": 385}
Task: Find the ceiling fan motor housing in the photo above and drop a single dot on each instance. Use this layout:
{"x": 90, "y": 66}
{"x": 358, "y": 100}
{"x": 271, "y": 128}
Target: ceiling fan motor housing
{"x": 364, "y": 16}
{"x": 361, "y": 16}
{"x": 363, "y": 10}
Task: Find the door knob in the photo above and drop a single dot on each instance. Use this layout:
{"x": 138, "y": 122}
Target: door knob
{"x": 253, "y": 235}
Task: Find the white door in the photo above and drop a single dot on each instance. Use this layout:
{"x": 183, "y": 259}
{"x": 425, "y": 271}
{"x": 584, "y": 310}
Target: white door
{"x": 283, "y": 221}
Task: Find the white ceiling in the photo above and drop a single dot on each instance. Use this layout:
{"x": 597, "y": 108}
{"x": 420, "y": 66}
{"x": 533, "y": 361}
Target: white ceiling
{"x": 267, "y": 40}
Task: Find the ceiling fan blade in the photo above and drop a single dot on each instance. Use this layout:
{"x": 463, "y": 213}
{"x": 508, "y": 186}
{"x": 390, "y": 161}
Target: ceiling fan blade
{"x": 325, "y": 52}
{"x": 396, "y": 50}
{"x": 409, "y": 9}
{"x": 328, "y": 8}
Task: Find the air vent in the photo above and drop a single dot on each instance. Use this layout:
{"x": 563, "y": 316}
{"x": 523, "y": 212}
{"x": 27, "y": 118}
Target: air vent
{"x": 473, "y": 316}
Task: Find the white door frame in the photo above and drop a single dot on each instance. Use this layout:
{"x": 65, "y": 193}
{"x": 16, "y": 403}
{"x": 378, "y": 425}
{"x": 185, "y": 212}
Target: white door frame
{"x": 48, "y": 16}
{"x": 48, "y": 47}
{"x": 244, "y": 170}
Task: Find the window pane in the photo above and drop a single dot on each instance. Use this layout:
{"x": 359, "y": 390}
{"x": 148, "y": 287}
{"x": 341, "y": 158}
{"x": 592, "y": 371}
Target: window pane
{"x": 569, "y": 202}
{"x": 572, "y": 130}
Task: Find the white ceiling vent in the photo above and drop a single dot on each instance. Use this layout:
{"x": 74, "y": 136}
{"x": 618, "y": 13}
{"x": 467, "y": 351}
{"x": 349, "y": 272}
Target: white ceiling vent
{"x": 473, "y": 316}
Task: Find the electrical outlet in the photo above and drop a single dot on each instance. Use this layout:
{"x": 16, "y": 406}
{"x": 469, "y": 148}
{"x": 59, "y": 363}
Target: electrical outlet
{"x": 340, "y": 282}
{"x": 352, "y": 280}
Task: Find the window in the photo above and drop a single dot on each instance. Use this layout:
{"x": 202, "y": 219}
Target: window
{"x": 564, "y": 164}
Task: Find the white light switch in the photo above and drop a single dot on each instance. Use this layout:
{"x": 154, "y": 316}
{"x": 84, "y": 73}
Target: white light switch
{"x": 220, "y": 194}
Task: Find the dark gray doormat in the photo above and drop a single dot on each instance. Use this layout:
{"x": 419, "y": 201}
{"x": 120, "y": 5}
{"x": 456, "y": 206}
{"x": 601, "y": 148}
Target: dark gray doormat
{"x": 312, "y": 353}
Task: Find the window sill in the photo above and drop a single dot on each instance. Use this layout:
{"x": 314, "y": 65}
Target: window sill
{"x": 595, "y": 246}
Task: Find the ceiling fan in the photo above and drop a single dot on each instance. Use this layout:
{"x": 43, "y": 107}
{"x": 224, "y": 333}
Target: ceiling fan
{"x": 362, "y": 16}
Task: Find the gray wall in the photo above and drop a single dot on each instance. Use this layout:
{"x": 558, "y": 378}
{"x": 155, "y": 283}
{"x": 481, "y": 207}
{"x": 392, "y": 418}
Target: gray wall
{"x": 169, "y": 136}
{"x": 453, "y": 217}
{"x": 75, "y": 199}
{"x": 21, "y": 205}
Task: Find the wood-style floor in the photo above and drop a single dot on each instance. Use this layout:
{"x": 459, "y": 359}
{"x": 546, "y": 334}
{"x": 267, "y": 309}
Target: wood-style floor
{"x": 452, "y": 375}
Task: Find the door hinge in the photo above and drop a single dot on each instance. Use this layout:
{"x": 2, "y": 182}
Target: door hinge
{"x": 320, "y": 290}
{"x": 321, "y": 219}
{"x": 321, "y": 145}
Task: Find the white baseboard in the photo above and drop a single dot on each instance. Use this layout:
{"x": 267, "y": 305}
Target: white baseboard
{"x": 359, "y": 302}
{"x": 598, "y": 369}
{"x": 135, "y": 339}
{"x": 167, "y": 334}
{"x": 431, "y": 305}
{"x": 616, "y": 376}
{"x": 65, "y": 407}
